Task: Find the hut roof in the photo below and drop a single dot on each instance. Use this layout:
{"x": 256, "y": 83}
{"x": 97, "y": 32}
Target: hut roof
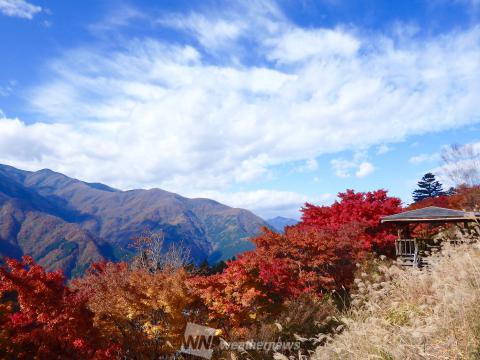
{"x": 431, "y": 214}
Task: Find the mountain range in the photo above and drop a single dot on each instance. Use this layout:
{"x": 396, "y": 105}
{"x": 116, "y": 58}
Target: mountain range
{"x": 279, "y": 223}
{"x": 67, "y": 223}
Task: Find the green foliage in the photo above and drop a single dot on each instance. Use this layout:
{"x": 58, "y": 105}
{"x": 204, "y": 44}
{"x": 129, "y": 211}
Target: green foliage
{"x": 206, "y": 269}
{"x": 428, "y": 187}
{"x": 385, "y": 355}
{"x": 67, "y": 249}
{"x": 49, "y": 248}
{"x": 401, "y": 315}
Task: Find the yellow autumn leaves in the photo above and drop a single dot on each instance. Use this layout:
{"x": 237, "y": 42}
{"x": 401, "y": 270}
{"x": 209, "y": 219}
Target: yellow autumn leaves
{"x": 141, "y": 310}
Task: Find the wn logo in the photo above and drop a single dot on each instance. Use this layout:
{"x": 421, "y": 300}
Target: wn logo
{"x": 198, "y": 340}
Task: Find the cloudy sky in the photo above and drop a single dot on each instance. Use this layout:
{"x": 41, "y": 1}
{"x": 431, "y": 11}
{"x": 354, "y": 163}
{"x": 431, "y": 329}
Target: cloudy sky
{"x": 258, "y": 104}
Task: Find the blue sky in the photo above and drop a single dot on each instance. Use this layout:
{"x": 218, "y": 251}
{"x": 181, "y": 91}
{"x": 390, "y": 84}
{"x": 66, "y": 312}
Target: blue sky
{"x": 260, "y": 104}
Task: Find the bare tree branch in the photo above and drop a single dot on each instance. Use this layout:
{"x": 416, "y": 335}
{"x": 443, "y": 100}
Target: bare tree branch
{"x": 461, "y": 164}
{"x": 152, "y": 255}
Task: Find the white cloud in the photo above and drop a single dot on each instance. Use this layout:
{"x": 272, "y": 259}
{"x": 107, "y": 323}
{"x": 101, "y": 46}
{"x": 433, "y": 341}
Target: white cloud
{"x": 424, "y": 158}
{"x": 122, "y": 16}
{"x": 19, "y": 8}
{"x": 309, "y": 165}
{"x": 383, "y": 149}
{"x": 342, "y": 168}
{"x": 296, "y": 45}
{"x": 153, "y": 113}
{"x": 4, "y": 91}
{"x": 210, "y": 33}
{"x": 365, "y": 168}
{"x": 269, "y": 203}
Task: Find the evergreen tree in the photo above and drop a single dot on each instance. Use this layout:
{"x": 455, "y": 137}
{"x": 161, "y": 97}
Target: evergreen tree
{"x": 428, "y": 187}
{"x": 219, "y": 267}
{"x": 204, "y": 268}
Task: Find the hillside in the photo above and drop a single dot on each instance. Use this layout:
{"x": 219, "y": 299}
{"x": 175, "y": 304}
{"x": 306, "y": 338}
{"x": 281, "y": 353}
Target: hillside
{"x": 68, "y": 223}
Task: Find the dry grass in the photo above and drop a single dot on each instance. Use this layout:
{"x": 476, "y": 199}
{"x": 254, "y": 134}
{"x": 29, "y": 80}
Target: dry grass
{"x": 415, "y": 314}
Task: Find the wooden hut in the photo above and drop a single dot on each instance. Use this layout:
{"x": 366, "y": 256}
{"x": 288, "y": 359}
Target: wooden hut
{"x": 413, "y": 251}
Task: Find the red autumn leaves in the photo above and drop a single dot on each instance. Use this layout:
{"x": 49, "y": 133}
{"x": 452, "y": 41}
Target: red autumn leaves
{"x": 51, "y": 320}
{"x": 115, "y": 306}
{"x": 315, "y": 256}
{"x": 363, "y": 210}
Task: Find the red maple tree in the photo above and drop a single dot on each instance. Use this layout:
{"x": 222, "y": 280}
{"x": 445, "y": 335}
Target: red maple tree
{"x": 315, "y": 260}
{"x": 362, "y": 208}
{"x": 317, "y": 255}
{"x": 236, "y": 296}
{"x": 47, "y": 320}
{"x": 282, "y": 267}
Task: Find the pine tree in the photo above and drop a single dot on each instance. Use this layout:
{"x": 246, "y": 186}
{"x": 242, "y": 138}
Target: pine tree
{"x": 204, "y": 268}
{"x": 428, "y": 187}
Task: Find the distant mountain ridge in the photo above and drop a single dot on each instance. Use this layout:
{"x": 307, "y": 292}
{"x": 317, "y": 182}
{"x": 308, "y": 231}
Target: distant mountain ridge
{"x": 67, "y": 223}
{"x": 278, "y": 223}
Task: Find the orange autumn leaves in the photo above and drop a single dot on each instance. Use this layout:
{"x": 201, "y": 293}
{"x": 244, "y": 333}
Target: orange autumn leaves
{"x": 316, "y": 256}
{"x": 465, "y": 198}
{"x": 281, "y": 268}
{"x": 114, "y": 311}
{"x": 145, "y": 312}
{"x": 142, "y": 311}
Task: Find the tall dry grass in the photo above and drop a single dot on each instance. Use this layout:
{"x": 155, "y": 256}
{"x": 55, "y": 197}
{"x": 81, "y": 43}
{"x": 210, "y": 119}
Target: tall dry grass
{"x": 415, "y": 314}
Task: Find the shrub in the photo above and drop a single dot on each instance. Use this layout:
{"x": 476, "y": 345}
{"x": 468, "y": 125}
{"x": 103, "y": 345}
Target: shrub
{"x": 41, "y": 318}
{"x": 297, "y": 324}
{"x": 145, "y": 312}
